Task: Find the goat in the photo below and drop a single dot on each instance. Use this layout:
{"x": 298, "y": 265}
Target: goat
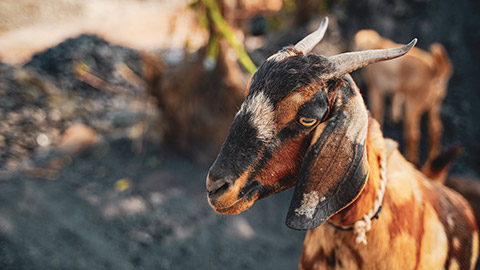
{"x": 419, "y": 81}
{"x": 304, "y": 123}
{"x": 193, "y": 126}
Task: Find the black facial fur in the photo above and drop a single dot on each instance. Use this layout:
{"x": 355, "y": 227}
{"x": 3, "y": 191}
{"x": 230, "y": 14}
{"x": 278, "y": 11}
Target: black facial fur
{"x": 241, "y": 146}
{"x": 276, "y": 79}
{"x": 279, "y": 78}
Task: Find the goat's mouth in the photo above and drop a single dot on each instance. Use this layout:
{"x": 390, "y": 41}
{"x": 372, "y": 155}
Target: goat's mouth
{"x": 224, "y": 205}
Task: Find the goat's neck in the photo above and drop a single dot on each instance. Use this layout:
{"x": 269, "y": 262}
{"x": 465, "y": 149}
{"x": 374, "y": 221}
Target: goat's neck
{"x": 371, "y": 193}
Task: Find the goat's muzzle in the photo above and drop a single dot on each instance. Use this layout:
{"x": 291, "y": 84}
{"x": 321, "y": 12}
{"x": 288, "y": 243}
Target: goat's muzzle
{"x": 227, "y": 194}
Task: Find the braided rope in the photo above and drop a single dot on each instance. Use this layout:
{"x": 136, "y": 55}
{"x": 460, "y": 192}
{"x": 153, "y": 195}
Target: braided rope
{"x": 361, "y": 227}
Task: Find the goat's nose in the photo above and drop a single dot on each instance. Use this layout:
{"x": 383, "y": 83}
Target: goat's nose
{"x": 218, "y": 182}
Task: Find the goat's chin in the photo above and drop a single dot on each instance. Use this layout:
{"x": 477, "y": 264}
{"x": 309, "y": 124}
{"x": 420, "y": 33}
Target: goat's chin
{"x": 234, "y": 208}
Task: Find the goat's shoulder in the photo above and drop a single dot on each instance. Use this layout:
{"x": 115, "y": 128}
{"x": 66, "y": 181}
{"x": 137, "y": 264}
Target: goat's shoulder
{"x": 438, "y": 217}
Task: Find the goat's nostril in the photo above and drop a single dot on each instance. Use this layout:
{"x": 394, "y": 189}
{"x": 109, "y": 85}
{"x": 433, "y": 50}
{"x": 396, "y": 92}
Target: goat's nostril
{"x": 218, "y": 182}
{"x": 218, "y": 190}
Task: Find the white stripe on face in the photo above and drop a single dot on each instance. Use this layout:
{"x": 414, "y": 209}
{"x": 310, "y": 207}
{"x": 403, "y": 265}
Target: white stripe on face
{"x": 262, "y": 115}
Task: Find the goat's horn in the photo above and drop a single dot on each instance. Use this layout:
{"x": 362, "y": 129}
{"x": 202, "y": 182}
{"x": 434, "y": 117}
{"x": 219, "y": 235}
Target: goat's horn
{"x": 306, "y": 45}
{"x": 347, "y": 62}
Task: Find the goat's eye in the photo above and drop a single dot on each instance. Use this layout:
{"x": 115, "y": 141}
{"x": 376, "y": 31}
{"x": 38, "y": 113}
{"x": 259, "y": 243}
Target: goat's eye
{"x": 308, "y": 122}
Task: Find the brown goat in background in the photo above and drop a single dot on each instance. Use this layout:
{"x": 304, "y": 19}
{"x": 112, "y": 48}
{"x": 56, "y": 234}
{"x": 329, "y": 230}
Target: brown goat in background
{"x": 304, "y": 123}
{"x": 419, "y": 81}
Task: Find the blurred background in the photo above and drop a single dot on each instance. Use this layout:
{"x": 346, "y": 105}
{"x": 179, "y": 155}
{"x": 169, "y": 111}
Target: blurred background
{"x": 111, "y": 112}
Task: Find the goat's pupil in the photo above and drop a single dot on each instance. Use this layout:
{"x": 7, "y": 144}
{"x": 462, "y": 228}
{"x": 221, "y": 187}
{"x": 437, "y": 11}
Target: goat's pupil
{"x": 307, "y": 121}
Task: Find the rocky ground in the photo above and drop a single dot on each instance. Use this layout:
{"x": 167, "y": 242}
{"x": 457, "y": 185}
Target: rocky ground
{"x": 81, "y": 81}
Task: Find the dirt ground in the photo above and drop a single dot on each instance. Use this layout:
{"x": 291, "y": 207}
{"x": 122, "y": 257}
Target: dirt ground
{"x": 114, "y": 209}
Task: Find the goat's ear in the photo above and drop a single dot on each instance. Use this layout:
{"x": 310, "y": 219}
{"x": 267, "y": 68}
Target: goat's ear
{"x": 335, "y": 167}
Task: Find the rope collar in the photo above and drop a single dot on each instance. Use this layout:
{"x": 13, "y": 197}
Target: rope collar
{"x": 362, "y": 226}
{"x": 350, "y": 228}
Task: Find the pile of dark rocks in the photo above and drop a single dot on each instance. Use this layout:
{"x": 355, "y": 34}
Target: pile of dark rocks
{"x": 82, "y": 80}
{"x": 101, "y": 57}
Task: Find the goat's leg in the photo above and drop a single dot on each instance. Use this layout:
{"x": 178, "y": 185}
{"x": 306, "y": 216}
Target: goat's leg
{"x": 376, "y": 101}
{"x": 397, "y": 105}
{"x": 435, "y": 130}
{"x": 411, "y": 131}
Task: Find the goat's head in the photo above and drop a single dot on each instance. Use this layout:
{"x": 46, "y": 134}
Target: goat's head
{"x": 367, "y": 39}
{"x": 303, "y": 123}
